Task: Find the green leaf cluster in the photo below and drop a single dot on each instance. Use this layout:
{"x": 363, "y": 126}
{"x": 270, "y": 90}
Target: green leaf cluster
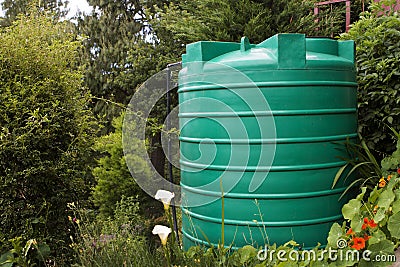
{"x": 15, "y": 8}
{"x": 113, "y": 178}
{"x": 377, "y": 41}
{"x": 382, "y": 207}
{"x": 110, "y": 31}
{"x": 46, "y": 131}
{"x": 25, "y": 255}
{"x": 392, "y": 162}
{"x": 227, "y": 20}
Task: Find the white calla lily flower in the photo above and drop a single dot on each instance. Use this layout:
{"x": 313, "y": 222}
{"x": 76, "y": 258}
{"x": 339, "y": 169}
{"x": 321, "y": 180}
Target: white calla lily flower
{"x": 165, "y": 196}
{"x": 163, "y": 232}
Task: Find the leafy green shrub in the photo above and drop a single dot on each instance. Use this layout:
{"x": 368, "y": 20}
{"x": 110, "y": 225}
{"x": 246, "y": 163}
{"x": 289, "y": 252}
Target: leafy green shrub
{"x": 113, "y": 177}
{"x": 374, "y": 222}
{"x": 378, "y": 64}
{"x": 226, "y": 20}
{"x": 46, "y": 132}
{"x": 392, "y": 162}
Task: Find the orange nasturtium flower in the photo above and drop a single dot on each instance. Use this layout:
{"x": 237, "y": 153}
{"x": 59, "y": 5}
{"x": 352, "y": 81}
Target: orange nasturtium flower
{"x": 358, "y": 243}
{"x": 382, "y": 182}
{"x": 350, "y": 232}
{"x": 366, "y": 237}
{"x": 398, "y": 171}
{"x": 389, "y": 177}
{"x": 371, "y": 223}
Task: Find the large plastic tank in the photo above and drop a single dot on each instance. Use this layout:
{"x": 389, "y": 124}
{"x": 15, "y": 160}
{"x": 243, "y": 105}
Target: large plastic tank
{"x": 264, "y": 125}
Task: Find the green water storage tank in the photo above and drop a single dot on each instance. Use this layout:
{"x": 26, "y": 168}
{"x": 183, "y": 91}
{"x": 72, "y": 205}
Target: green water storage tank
{"x": 264, "y": 126}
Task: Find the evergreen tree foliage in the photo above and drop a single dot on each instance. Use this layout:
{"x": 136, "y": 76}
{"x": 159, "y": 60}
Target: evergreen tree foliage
{"x": 176, "y": 23}
{"x": 13, "y": 8}
{"x": 117, "y": 59}
{"x": 46, "y": 132}
{"x": 113, "y": 179}
{"x": 111, "y": 30}
{"x": 229, "y": 20}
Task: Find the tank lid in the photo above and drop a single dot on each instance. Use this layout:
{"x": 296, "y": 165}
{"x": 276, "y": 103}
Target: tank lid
{"x": 281, "y": 51}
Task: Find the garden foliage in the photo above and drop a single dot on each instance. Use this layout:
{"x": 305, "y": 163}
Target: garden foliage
{"x": 374, "y": 216}
{"x": 226, "y": 20}
{"x": 378, "y": 64}
{"x": 113, "y": 179}
{"x": 116, "y": 241}
{"x": 13, "y": 8}
{"x": 112, "y": 29}
{"x": 46, "y": 131}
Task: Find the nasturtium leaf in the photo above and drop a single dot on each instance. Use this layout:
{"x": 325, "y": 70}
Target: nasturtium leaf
{"x": 364, "y": 263}
{"x": 386, "y": 199}
{"x": 383, "y": 248}
{"x": 394, "y": 225}
{"x": 396, "y": 203}
{"x": 374, "y": 195}
{"x": 335, "y": 234}
{"x": 376, "y": 237}
{"x": 356, "y": 223}
{"x": 380, "y": 215}
{"x": 351, "y": 209}
{"x": 6, "y": 259}
{"x": 346, "y": 257}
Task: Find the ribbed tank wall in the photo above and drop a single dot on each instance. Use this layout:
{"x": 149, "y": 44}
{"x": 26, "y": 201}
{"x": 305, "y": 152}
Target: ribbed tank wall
{"x": 265, "y": 126}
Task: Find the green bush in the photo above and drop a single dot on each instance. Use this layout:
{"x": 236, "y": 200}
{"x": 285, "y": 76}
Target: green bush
{"x": 46, "y": 132}
{"x": 378, "y": 63}
{"x": 112, "y": 174}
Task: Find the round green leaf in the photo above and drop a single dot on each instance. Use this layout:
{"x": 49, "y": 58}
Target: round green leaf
{"x": 351, "y": 209}
{"x": 384, "y": 247}
{"x": 335, "y": 233}
{"x": 380, "y": 215}
{"x": 376, "y": 237}
{"x": 394, "y": 225}
{"x": 386, "y": 198}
